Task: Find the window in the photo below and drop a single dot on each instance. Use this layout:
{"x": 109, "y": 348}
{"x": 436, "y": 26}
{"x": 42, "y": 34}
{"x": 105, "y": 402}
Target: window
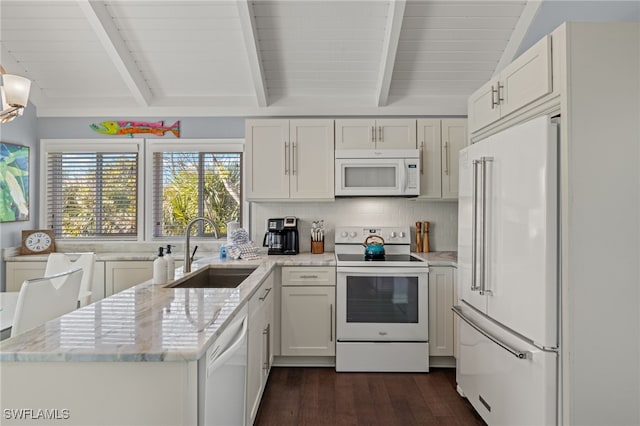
{"x": 92, "y": 188}
{"x": 195, "y": 179}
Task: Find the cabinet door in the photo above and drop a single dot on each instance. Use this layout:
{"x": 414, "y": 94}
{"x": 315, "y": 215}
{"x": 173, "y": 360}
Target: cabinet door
{"x": 440, "y": 315}
{"x": 312, "y": 159}
{"x": 307, "y": 321}
{"x": 483, "y": 108}
{"x": 124, "y": 274}
{"x": 454, "y": 138}
{"x": 527, "y": 78}
{"x": 17, "y": 272}
{"x": 355, "y": 134}
{"x": 430, "y": 162}
{"x": 396, "y": 134}
{"x": 268, "y": 159}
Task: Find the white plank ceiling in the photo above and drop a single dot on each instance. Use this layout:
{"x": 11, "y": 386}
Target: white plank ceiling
{"x": 258, "y": 58}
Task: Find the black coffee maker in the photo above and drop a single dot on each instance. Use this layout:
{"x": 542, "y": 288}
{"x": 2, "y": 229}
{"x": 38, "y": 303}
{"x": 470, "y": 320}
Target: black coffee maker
{"x": 282, "y": 236}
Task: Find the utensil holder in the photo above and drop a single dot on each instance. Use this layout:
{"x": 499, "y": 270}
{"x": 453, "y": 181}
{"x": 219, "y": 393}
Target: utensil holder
{"x": 317, "y": 247}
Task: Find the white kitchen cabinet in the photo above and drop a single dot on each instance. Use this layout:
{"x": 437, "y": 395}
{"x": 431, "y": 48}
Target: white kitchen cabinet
{"x": 441, "y": 298}
{"x": 260, "y": 344}
{"x": 308, "y": 311}
{"x": 526, "y": 79}
{"x": 120, "y": 275}
{"x": 439, "y": 142}
{"x": 17, "y": 272}
{"x": 379, "y": 134}
{"x": 290, "y": 159}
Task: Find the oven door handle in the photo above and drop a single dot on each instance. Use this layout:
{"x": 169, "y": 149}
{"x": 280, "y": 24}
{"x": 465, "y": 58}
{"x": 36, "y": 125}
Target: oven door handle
{"x": 374, "y": 271}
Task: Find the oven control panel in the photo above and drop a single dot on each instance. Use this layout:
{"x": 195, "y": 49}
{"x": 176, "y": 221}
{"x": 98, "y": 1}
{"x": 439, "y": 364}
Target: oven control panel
{"x": 358, "y": 234}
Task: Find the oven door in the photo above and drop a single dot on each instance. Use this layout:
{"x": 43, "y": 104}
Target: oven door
{"x": 383, "y": 304}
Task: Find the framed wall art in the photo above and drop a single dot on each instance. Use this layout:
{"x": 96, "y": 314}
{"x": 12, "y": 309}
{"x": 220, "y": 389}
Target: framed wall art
{"x": 14, "y": 182}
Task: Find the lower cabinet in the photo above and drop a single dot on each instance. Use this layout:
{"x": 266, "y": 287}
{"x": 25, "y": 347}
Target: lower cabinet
{"x": 260, "y": 344}
{"x": 307, "y": 322}
{"x": 441, "y": 318}
{"x": 17, "y": 272}
{"x": 120, "y": 275}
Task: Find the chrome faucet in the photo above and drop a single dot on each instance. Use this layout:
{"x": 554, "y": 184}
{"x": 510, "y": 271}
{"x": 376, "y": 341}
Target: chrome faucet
{"x": 187, "y": 234}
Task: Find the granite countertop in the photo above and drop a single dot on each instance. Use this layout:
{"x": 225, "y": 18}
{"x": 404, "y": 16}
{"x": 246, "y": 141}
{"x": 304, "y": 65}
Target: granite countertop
{"x": 439, "y": 258}
{"x": 155, "y": 323}
{"x": 149, "y": 322}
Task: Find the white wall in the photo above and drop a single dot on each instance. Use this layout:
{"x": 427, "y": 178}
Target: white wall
{"x": 442, "y": 217}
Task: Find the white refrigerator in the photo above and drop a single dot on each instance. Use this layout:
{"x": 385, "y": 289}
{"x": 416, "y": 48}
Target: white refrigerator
{"x": 508, "y": 282}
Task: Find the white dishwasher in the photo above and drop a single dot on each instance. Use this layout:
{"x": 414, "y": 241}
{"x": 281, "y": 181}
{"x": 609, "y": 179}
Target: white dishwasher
{"x": 222, "y": 375}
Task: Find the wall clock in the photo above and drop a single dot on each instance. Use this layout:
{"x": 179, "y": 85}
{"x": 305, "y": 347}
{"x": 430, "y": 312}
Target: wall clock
{"x": 37, "y": 241}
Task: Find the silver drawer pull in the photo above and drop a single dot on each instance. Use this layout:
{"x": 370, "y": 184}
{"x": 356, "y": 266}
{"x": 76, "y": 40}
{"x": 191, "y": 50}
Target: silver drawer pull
{"x": 518, "y": 354}
{"x": 266, "y": 293}
{"x": 309, "y": 276}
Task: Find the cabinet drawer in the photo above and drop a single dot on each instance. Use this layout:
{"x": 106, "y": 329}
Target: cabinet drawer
{"x": 317, "y": 276}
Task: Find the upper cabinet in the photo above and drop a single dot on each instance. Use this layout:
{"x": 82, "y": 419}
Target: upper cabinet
{"x": 378, "y": 134}
{"x": 527, "y": 79}
{"x": 439, "y": 142}
{"x": 289, "y": 159}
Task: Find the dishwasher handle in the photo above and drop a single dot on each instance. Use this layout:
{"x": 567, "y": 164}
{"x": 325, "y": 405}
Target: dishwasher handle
{"x": 218, "y": 359}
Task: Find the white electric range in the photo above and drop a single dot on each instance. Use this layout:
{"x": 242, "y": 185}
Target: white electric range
{"x": 381, "y": 302}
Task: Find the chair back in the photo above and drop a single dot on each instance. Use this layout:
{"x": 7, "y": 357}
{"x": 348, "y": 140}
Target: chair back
{"x": 43, "y": 299}
{"x": 60, "y": 262}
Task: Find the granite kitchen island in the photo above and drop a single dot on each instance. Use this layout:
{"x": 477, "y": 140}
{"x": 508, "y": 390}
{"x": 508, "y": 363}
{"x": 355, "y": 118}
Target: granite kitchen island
{"x": 131, "y": 358}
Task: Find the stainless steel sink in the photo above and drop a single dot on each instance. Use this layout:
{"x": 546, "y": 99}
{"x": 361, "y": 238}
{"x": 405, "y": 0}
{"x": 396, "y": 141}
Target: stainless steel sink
{"x": 213, "y": 277}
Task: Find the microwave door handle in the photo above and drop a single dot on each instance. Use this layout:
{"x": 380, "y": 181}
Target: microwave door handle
{"x": 403, "y": 176}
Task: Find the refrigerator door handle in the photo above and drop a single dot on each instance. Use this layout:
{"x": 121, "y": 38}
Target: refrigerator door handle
{"x": 474, "y": 228}
{"x": 518, "y": 354}
{"x": 483, "y": 230}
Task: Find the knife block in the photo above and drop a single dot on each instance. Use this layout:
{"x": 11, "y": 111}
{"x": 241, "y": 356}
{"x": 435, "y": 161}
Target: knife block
{"x": 317, "y": 247}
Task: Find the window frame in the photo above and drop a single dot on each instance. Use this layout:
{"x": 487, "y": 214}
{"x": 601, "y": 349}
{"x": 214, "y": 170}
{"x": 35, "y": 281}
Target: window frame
{"x": 92, "y": 145}
{"x": 186, "y": 145}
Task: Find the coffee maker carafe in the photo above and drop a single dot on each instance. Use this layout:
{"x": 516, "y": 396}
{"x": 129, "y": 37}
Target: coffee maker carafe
{"x": 282, "y": 236}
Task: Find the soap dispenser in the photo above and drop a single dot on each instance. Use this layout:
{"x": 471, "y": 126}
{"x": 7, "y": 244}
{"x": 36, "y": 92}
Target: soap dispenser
{"x": 160, "y": 268}
{"x": 171, "y": 264}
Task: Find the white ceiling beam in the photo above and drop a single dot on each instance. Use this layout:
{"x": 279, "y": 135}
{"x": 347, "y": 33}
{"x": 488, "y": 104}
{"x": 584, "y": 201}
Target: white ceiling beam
{"x": 249, "y": 33}
{"x": 389, "y": 49}
{"x": 519, "y": 32}
{"x": 116, "y": 49}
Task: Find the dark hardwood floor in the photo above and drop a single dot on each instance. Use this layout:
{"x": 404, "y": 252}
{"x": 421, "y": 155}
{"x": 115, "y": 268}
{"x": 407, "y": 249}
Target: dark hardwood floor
{"x": 320, "y": 396}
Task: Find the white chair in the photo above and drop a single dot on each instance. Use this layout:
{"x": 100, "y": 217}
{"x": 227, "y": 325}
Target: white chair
{"x": 43, "y": 299}
{"x": 60, "y": 262}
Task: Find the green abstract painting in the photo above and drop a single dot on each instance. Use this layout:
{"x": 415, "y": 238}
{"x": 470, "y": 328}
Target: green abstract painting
{"x": 14, "y": 182}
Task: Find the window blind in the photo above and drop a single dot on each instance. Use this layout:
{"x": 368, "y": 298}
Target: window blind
{"x": 92, "y": 194}
{"x": 191, "y": 184}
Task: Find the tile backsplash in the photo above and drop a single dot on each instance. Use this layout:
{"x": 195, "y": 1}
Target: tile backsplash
{"x": 441, "y": 215}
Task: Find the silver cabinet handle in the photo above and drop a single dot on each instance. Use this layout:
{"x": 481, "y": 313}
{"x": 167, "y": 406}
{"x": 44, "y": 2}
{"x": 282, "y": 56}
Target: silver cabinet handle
{"x": 331, "y": 322}
{"x": 286, "y": 159}
{"x": 446, "y": 158}
{"x": 380, "y": 134}
{"x": 474, "y": 228}
{"x": 518, "y": 354}
{"x": 266, "y": 293}
{"x": 373, "y": 134}
{"x": 483, "y": 229}
{"x": 309, "y": 276}
{"x": 494, "y": 92}
{"x": 500, "y": 98}
{"x": 267, "y": 333}
{"x": 421, "y": 157}
{"x": 295, "y": 158}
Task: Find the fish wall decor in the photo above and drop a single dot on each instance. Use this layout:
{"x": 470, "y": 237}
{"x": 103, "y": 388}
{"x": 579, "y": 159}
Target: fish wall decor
{"x": 129, "y": 128}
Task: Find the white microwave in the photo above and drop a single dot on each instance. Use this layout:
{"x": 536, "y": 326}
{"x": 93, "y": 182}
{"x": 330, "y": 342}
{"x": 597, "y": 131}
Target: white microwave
{"x": 377, "y": 173}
